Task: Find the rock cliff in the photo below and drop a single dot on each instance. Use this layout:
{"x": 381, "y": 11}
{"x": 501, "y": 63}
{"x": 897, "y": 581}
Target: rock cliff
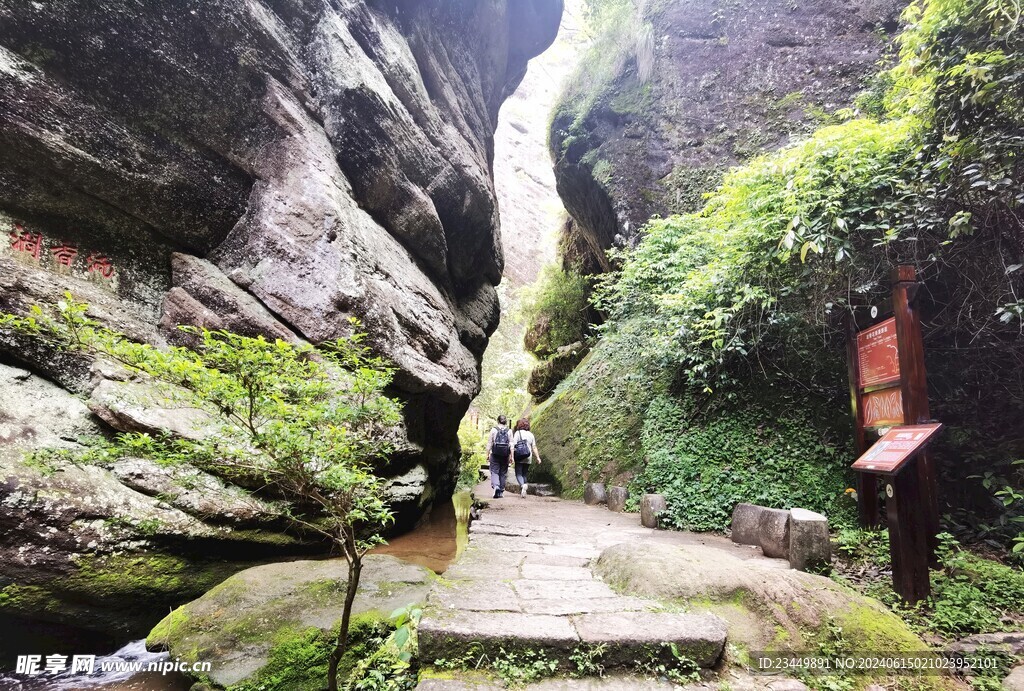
{"x": 270, "y": 167}
{"x": 673, "y": 94}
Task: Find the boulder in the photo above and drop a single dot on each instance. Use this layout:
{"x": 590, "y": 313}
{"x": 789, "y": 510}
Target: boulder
{"x": 1014, "y": 681}
{"x": 197, "y": 493}
{"x": 594, "y": 493}
{"x": 651, "y": 506}
{"x": 146, "y": 406}
{"x": 37, "y": 414}
{"x": 809, "y": 543}
{"x": 237, "y": 625}
{"x": 773, "y": 533}
{"x": 1011, "y": 642}
{"x": 766, "y": 605}
{"x": 617, "y": 497}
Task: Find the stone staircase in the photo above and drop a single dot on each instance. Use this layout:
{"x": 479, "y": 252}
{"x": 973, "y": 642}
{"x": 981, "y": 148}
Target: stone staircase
{"x": 524, "y": 583}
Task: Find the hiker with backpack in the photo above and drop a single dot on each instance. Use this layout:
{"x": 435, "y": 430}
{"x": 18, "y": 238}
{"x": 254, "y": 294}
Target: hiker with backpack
{"x": 499, "y": 455}
{"x": 524, "y": 448}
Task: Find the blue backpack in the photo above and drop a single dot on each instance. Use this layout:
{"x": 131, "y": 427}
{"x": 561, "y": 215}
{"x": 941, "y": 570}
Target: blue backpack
{"x": 521, "y": 450}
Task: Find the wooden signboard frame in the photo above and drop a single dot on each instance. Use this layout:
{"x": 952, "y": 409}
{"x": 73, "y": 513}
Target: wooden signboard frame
{"x": 900, "y": 389}
{"x": 896, "y": 448}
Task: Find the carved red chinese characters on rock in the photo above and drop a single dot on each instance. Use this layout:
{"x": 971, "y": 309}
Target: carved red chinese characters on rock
{"x": 64, "y": 254}
{"x": 24, "y": 241}
{"x": 99, "y": 263}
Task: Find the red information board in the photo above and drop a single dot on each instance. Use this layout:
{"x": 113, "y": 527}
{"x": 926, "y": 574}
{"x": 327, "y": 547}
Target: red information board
{"x": 878, "y": 354}
{"x": 883, "y": 408}
{"x": 898, "y": 446}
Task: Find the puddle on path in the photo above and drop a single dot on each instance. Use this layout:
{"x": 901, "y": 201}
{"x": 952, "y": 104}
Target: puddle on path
{"x": 435, "y": 543}
{"x": 438, "y": 540}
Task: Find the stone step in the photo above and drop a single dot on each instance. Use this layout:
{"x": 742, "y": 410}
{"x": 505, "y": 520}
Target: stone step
{"x": 629, "y": 637}
{"x": 537, "y": 489}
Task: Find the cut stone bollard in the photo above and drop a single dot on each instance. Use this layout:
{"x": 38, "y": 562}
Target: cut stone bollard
{"x": 773, "y": 532}
{"x": 593, "y": 493}
{"x": 617, "y": 499}
{"x": 746, "y": 520}
{"x": 809, "y": 545}
{"x": 650, "y": 506}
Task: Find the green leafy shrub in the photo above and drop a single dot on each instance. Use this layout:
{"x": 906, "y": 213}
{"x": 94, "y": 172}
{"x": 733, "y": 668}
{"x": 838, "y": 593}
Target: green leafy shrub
{"x": 555, "y": 309}
{"x": 474, "y": 445}
{"x": 973, "y": 594}
{"x": 741, "y": 452}
{"x": 970, "y": 593}
{"x": 619, "y": 36}
{"x": 522, "y": 667}
{"x": 862, "y": 546}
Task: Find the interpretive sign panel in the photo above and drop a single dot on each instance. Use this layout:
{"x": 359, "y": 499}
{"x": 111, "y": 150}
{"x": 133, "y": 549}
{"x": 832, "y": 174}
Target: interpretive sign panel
{"x": 878, "y": 354}
{"x": 883, "y": 408}
{"x": 898, "y": 446}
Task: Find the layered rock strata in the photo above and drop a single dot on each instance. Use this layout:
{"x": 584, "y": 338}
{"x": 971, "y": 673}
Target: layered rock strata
{"x": 268, "y": 167}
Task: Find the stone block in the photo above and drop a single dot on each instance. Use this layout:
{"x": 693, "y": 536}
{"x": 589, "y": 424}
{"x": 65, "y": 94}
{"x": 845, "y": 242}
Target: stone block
{"x": 617, "y": 498}
{"x": 650, "y": 506}
{"x": 593, "y": 493}
{"x": 449, "y": 633}
{"x": 809, "y": 545}
{"x": 633, "y": 635}
{"x": 773, "y": 533}
{"x": 745, "y": 520}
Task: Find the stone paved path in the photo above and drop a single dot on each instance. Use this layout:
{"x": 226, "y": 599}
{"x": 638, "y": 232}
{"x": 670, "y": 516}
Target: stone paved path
{"x": 525, "y": 582}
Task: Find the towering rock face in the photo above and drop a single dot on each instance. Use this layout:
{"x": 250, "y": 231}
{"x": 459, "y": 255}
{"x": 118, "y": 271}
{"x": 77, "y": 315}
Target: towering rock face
{"x": 681, "y": 91}
{"x": 273, "y": 167}
{"x": 326, "y": 159}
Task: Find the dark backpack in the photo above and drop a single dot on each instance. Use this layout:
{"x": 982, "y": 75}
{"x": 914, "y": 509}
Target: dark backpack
{"x": 501, "y": 446}
{"x": 522, "y": 448}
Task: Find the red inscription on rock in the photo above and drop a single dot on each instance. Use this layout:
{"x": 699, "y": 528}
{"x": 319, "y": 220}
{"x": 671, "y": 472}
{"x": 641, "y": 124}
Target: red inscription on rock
{"x": 878, "y": 355}
{"x": 101, "y": 264}
{"x": 898, "y": 446}
{"x": 64, "y": 254}
{"x": 24, "y": 241}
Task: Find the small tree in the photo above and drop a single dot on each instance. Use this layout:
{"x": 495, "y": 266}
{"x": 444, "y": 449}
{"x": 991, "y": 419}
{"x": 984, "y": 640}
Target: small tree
{"x": 303, "y": 422}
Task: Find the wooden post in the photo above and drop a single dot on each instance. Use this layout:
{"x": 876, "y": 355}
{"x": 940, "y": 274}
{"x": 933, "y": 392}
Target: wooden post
{"x": 867, "y": 485}
{"x": 914, "y": 387}
{"x": 908, "y": 544}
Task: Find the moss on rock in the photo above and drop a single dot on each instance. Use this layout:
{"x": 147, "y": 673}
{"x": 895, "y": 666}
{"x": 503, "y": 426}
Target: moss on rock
{"x": 268, "y": 624}
{"x": 766, "y": 606}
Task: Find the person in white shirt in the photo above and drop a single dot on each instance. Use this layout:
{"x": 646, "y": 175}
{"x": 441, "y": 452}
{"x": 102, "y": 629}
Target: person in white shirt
{"x": 524, "y": 448}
